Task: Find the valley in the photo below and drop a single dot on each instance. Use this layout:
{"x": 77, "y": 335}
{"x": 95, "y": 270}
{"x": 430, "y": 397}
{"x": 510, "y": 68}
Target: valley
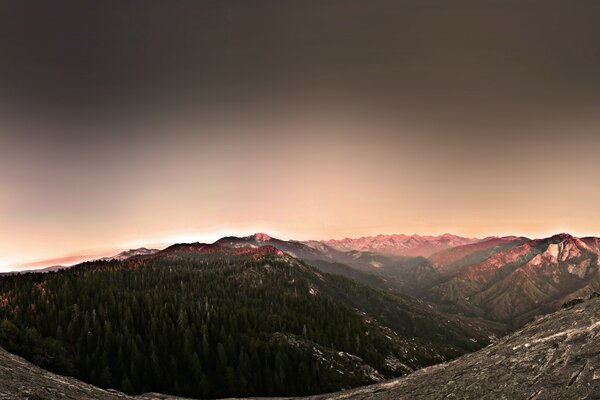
{"x": 553, "y": 357}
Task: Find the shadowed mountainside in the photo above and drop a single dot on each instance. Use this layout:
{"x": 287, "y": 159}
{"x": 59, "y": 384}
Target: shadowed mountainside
{"x": 555, "y": 357}
{"x": 21, "y": 380}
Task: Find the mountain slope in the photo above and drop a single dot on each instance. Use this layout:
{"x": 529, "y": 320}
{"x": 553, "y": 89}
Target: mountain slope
{"x": 311, "y": 250}
{"x": 505, "y": 279}
{"x": 21, "y": 380}
{"x": 453, "y": 259}
{"x": 294, "y": 248}
{"x": 555, "y": 357}
{"x": 356, "y": 265}
{"x": 399, "y": 274}
{"x": 203, "y": 320}
{"x": 522, "y": 281}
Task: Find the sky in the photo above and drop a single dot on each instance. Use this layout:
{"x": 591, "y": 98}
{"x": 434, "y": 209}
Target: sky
{"x": 128, "y": 123}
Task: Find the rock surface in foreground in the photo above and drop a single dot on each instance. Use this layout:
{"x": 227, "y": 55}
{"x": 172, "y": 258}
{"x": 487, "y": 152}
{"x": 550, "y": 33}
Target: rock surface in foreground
{"x": 21, "y": 380}
{"x": 555, "y": 357}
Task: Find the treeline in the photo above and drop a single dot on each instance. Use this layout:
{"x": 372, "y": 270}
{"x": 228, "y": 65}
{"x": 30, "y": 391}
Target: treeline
{"x": 189, "y": 327}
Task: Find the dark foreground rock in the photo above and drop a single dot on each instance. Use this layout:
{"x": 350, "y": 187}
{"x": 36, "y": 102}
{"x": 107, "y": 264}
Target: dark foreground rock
{"x": 21, "y": 380}
{"x": 555, "y": 357}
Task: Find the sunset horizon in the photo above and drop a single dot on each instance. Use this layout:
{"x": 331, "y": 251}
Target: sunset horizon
{"x": 324, "y": 133}
{"x": 77, "y": 257}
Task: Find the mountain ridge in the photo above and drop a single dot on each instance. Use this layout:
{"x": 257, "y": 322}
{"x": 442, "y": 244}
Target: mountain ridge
{"x": 140, "y": 251}
{"x": 400, "y": 244}
{"x": 524, "y": 280}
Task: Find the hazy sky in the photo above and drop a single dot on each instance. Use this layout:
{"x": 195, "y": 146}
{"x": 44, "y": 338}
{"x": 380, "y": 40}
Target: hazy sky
{"x": 131, "y": 123}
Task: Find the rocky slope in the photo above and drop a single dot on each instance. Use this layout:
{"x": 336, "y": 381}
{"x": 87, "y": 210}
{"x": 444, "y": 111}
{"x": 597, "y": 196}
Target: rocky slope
{"x": 521, "y": 281}
{"x": 555, "y": 357}
{"x": 453, "y": 259}
{"x": 21, "y": 380}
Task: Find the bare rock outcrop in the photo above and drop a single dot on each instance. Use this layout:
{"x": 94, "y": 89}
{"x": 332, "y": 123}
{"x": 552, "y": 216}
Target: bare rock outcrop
{"x": 21, "y": 380}
{"x": 555, "y": 357}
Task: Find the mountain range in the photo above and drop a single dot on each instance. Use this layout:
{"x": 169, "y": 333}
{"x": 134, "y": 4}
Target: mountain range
{"x": 522, "y": 279}
{"x": 507, "y": 279}
{"x": 504, "y": 279}
{"x": 208, "y": 320}
{"x": 401, "y": 245}
{"x": 241, "y": 311}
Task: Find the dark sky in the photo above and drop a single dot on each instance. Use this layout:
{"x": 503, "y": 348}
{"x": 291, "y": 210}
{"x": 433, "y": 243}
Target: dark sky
{"x": 356, "y": 117}
{"x": 425, "y": 57}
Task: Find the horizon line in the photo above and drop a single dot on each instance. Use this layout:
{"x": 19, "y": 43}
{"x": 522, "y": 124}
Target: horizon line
{"x": 76, "y": 258}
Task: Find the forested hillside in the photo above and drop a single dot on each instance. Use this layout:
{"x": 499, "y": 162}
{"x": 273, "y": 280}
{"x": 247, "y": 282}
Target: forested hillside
{"x": 206, "y": 321}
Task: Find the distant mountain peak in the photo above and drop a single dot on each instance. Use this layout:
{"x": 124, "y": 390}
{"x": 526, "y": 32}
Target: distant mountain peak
{"x": 205, "y": 248}
{"x": 141, "y": 251}
{"x": 262, "y": 237}
{"x": 562, "y": 236}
